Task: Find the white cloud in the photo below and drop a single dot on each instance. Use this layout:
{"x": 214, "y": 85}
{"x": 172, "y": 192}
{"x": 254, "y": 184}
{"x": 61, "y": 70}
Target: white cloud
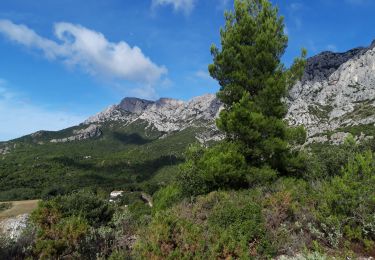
{"x": 89, "y": 50}
{"x": 185, "y": 6}
{"x": 19, "y": 118}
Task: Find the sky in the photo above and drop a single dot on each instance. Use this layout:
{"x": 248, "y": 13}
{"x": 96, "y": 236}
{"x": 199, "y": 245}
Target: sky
{"x": 64, "y": 60}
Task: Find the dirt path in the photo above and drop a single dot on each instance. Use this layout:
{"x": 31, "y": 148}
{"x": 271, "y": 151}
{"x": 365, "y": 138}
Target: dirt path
{"x": 19, "y": 208}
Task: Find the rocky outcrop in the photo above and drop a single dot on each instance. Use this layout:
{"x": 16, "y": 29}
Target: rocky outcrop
{"x": 337, "y": 91}
{"x": 166, "y": 115}
{"x": 89, "y": 132}
{"x": 4, "y": 150}
{"x": 13, "y": 227}
{"x": 134, "y": 105}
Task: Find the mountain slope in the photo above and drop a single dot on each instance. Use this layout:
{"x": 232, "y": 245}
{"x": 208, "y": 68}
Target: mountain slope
{"x": 127, "y": 146}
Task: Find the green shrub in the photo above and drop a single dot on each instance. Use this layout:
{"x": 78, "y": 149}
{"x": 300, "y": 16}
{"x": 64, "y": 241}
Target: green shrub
{"x": 71, "y": 225}
{"x": 326, "y": 161}
{"x": 95, "y": 210}
{"x": 219, "y": 167}
{"x": 347, "y": 202}
{"x": 62, "y": 239}
{"x": 5, "y": 206}
{"x": 218, "y": 225}
{"x": 166, "y": 197}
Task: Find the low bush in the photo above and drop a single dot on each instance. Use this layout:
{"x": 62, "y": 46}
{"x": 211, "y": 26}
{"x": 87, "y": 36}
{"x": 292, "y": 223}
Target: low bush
{"x": 218, "y": 225}
{"x": 221, "y": 166}
{"x": 5, "y": 206}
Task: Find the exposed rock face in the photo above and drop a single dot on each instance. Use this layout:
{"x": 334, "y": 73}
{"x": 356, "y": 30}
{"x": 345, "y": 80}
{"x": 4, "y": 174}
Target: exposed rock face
{"x": 13, "y": 227}
{"x": 89, "y": 132}
{"x": 112, "y": 113}
{"x": 134, "y": 105}
{"x": 166, "y": 114}
{"x": 4, "y": 150}
{"x": 337, "y": 90}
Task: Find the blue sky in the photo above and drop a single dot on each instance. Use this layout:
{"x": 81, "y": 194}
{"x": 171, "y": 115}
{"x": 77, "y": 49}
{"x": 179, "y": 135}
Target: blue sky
{"x": 63, "y": 60}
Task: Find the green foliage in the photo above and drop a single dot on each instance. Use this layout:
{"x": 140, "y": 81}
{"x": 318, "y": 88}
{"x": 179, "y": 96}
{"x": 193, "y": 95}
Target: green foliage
{"x": 219, "y": 167}
{"x": 62, "y": 239}
{"x": 253, "y": 42}
{"x": 253, "y": 84}
{"x": 347, "y": 202}
{"x": 63, "y": 223}
{"x": 95, "y": 210}
{"x": 218, "y": 225}
{"x": 326, "y": 161}
{"x": 166, "y": 197}
{"x": 127, "y": 157}
{"x": 83, "y": 203}
{"x": 5, "y": 206}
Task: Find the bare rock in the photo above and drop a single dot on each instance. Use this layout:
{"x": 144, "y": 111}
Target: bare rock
{"x": 338, "y": 90}
{"x": 4, "y": 150}
{"x": 13, "y": 227}
{"x": 91, "y": 131}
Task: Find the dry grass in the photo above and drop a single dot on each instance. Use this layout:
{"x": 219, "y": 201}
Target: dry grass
{"x": 18, "y": 208}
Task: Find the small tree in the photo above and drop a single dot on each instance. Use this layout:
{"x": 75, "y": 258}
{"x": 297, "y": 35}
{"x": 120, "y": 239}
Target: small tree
{"x": 254, "y": 83}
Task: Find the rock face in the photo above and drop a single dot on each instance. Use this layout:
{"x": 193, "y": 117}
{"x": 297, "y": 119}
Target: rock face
{"x": 89, "y": 132}
{"x": 337, "y": 91}
{"x": 166, "y": 115}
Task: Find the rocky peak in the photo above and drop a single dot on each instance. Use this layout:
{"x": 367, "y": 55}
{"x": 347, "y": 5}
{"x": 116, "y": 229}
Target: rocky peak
{"x": 165, "y": 114}
{"x": 134, "y": 105}
{"x": 337, "y": 92}
{"x": 321, "y": 66}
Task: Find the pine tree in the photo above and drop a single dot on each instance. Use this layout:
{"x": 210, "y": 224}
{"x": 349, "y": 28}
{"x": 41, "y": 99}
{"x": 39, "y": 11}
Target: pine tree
{"x": 254, "y": 83}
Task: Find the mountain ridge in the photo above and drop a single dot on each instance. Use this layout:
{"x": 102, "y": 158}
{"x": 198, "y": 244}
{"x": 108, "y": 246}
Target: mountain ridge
{"x": 166, "y": 114}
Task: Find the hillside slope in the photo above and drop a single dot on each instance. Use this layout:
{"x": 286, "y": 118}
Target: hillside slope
{"x": 127, "y": 146}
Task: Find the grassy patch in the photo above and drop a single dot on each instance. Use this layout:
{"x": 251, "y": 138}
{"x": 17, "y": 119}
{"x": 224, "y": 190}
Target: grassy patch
{"x": 15, "y": 208}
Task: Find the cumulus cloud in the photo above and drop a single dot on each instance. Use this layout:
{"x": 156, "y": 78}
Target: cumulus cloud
{"x": 89, "y": 50}
{"x": 20, "y": 118}
{"x": 185, "y": 6}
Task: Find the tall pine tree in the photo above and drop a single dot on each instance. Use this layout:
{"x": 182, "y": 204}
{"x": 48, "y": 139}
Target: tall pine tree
{"x": 254, "y": 83}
